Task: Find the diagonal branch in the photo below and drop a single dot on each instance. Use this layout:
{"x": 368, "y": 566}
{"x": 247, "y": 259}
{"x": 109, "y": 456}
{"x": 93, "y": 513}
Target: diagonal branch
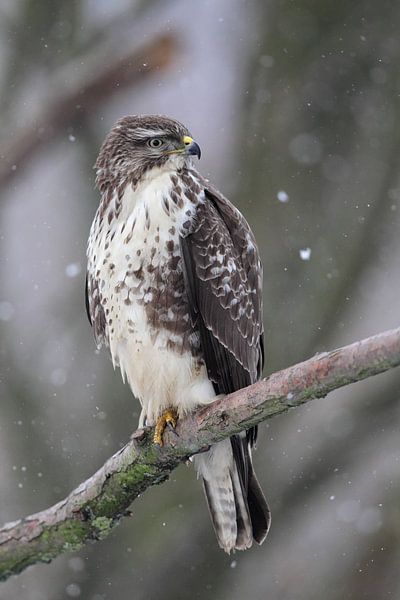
{"x": 94, "y": 507}
{"x": 83, "y": 95}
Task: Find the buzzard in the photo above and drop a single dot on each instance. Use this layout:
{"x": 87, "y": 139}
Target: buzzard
{"x": 174, "y": 290}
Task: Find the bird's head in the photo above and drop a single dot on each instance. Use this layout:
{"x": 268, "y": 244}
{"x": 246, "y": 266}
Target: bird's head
{"x": 137, "y": 144}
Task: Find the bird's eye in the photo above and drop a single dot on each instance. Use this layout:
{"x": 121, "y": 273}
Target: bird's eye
{"x": 155, "y": 143}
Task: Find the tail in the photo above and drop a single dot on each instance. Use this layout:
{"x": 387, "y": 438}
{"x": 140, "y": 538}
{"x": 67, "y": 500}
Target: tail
{"x": 238, "y": 509}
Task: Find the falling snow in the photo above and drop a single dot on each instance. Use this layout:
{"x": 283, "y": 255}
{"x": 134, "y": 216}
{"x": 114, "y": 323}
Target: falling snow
{"x": 73, "y": 269}
{"x": 282, "y": 196}
{"x": 314, "y": 179}
{"x": 305, "y": 253}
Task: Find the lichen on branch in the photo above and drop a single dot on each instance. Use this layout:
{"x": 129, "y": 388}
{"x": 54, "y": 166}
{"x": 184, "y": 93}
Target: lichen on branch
{"x": 91, "y": 510}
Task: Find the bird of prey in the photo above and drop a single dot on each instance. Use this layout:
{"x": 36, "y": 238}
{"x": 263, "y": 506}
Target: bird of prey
{"x": 174, "y": 290}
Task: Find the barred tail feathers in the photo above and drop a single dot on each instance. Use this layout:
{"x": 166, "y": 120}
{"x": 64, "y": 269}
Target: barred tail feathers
{"x": 233, "y": 504}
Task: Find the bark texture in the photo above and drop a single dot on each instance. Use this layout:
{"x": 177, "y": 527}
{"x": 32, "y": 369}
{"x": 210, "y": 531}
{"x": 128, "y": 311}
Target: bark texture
{"x": 96, "y": 505}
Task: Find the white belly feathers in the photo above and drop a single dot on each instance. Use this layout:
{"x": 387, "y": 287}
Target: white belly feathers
{"x": 132, "y": 261}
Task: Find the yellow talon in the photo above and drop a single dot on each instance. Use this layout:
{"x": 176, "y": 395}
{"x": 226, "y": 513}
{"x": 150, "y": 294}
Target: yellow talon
{"x": 170, "y": 417}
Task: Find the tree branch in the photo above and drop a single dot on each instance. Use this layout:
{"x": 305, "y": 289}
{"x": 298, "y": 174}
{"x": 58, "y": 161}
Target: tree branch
{"x": 83, "y": 95}
{"x": 95, "y": 507}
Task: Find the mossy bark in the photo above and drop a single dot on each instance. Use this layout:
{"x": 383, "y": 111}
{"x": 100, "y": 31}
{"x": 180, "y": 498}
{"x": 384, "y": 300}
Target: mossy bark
{"x": 91, "y": 510}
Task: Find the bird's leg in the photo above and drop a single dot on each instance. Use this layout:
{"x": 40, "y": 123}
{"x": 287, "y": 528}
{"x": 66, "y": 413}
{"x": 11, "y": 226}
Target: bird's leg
{"x": 169, "y": 417}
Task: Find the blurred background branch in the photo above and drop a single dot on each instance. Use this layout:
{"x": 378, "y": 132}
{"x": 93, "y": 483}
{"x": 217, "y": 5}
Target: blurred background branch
{"x": 84, "y": 94}
{"x": 295, "y": 106}
{"x": 96, "y": 505}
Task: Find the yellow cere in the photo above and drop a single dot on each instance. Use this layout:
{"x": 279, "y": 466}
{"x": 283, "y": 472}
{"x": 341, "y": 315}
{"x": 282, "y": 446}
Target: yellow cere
{"x": 187, "y": 140}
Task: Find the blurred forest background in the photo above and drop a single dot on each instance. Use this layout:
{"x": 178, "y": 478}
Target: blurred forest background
{"x": 296, "y": 106}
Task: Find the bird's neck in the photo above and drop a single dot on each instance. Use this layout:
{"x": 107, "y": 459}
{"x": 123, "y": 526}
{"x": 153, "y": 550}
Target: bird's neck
{"x": 160, "y": 188}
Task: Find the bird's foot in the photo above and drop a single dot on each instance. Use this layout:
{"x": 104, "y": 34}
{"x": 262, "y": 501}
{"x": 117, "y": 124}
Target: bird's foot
{"x": 168, "y": 418}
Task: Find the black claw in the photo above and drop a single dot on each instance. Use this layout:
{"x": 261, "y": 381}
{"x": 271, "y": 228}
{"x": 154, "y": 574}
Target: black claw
{"x": 172, "y": 428}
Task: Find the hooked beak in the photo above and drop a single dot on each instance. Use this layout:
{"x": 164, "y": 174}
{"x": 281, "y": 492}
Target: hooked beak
{"x": 191, "y": 147}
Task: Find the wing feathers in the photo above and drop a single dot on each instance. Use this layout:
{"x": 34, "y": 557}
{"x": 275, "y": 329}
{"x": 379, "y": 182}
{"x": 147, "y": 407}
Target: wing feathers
{"x": 95, "y": 310}
{"x": 223, "y": 277}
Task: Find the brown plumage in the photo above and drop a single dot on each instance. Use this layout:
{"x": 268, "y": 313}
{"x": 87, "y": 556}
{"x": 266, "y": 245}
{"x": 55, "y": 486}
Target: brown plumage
{"x": 174, "y": 289}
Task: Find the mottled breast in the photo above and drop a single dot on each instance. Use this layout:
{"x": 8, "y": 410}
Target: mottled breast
{"x": 135, "y": 277}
